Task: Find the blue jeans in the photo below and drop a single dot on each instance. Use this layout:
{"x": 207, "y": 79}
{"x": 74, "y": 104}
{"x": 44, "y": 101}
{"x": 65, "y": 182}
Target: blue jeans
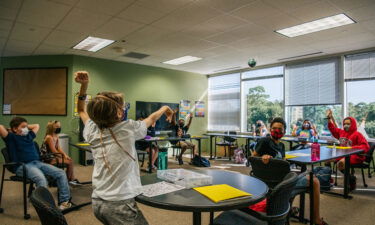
{"x": 35, "y": 171}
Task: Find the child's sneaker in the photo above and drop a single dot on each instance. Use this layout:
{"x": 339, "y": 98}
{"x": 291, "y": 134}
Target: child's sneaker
{"x": 75, "y": 182}
{"x": 65, "y": 205}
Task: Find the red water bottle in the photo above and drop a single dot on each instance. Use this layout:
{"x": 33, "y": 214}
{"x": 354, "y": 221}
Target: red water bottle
{"x": 315, "y": 150}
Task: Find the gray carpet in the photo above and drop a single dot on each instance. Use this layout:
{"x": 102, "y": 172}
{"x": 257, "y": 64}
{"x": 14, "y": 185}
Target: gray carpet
{"x": 335, "y": 210}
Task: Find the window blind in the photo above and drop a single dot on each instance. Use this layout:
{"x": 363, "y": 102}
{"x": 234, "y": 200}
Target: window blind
{"x": 313, "y": 83}
{"x": 360, "y": 66}
{"x": 224, "y": 102}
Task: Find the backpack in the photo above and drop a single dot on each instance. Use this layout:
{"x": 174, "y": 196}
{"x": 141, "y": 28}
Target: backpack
{"x": 200, "y": 161}
{"x": 44, "y": 153}
{"x": 239, "y": 156}
{"x": 323, "y": 173}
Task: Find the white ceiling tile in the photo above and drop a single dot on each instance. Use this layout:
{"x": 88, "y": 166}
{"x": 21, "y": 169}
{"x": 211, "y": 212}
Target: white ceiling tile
{"x": 216, "y": 51}
{"x": 288, "y": 5}
{"x": 6, "y": 24}
{"x": 253, "y": 12}
{"x": 21, "y": 47}
{"x": 278, "y": 21}
{"x": 114, "y": 50}
{"x": 368, "y": 24}
{"x": 239, "y": 33}
{"x": 163, "y": 5}
{"x": 4, "y": 33}
{"x": 7, "y": 13}
{"x": 66, "y": 2}
{"x": 103, "y": 6}
{"x": 350, "y": 4}
{"x": 315, "y": 10}
{"x": 82, "y": 21}
{"x": 11, "y": 4}
{"x": 363, "y": 13}
{"x": 116, "y": 29}
{"x": 146, "y": 35}
{"x": 183, "y": 19}
{"x": 223, "y": 23}
{"x": 140, "y": 14}
{"x": 225, "y": 5}
{"x": 224, "y": 38}
{"x": 49, "y": 50}
{"x": 64, "y": 38}
{"x": 351, "y": 47}
{"x": 26, "y": 32}
{"x": 42, "y": 13}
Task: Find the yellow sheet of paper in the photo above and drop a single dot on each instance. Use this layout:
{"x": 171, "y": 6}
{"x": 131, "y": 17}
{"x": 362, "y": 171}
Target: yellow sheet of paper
{"x": 290, "y": 156}
{"x": 83, "y": 144}
{"x": 340, "y": 147}
{"x": 221, "y": 192}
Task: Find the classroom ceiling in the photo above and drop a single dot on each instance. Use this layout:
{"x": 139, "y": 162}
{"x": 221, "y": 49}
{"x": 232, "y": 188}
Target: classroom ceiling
{"x": 225, "y": 33}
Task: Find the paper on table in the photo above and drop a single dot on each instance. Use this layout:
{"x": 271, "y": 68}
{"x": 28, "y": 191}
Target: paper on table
{"x": 298, "y": 154}
{"x": 160, "y": 188}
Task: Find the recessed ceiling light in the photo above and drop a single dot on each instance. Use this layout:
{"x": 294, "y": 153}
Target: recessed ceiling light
{"x": 182, "y": 60}
{"x": 317, "y": 25}
{"x": 93, "y": 44}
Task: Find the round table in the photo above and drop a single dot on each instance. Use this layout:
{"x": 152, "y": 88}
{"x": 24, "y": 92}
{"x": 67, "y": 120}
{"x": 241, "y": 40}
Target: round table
{"x": 189, "y": 200}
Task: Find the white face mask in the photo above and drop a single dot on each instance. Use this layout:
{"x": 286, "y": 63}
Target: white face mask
{"x": 24, "y": 131}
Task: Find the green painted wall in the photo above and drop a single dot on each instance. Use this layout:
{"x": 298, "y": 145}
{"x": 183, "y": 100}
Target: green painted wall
{"x": 137, "y": 82}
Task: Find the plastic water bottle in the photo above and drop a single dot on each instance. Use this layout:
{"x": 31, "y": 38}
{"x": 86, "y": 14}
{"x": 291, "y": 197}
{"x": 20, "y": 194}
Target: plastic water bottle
{"x": 315, "y": 150}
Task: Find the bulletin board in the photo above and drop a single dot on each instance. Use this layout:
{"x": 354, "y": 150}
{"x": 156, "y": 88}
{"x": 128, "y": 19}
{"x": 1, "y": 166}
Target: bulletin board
{"x": 35, "y": 91}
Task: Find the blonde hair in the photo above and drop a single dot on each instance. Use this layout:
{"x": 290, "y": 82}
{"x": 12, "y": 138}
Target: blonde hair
{"x": 50, "y": 129}
{"x": 104, "y": 108}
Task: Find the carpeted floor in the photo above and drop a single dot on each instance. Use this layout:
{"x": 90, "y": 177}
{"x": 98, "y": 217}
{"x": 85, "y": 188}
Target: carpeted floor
{"x": 335, "y": 210}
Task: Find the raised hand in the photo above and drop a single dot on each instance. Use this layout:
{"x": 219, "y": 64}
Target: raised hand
{"x": 81, "y": 77}
{"x": 169, "y": 113}
{"x": 329, "y": 114}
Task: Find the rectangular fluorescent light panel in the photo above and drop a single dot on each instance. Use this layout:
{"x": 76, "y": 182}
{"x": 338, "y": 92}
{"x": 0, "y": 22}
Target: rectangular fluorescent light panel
{"x": 93, "y": 44}
{"x": 182, "y": 60}
{"x": 317, "y": 25}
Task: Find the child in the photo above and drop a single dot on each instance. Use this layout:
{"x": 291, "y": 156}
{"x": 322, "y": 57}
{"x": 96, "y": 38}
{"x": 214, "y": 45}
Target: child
{"x": 272, "y": 147}
{"x": 179, "y": 129}
{"x": 51, "y": 141}
{"x": 260, "y": 129}
{"x": 145, "y": 146}
{"x": 349, "y": 136}
{"x": 307, "y": 131}
{"x": 116, "y": 179}
{"x": 20, "y": 143}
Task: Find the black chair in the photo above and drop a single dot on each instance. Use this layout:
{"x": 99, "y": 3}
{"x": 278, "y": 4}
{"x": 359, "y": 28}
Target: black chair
{"x": 365, "y": 165}
{"x": 143, "y": 154}
{"x": 228, "y": 142}
{"x": 44, "y": 205}
{"x": 273, "y": 173}
{"x": 277, "y": 208}
{"x": 10, "y": 166}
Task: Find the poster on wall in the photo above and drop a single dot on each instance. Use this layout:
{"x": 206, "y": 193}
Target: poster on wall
{"x": 199, "y": 108}
{"x": 88, "y": 98}
{"x": 184, "y": 108}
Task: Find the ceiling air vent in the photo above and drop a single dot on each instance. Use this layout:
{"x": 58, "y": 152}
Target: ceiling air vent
{"x": 136, "y": 55}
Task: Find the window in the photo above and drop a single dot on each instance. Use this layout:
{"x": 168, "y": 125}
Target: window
{"x": 310, "y": 89}
{"x": 360, "y": 83}
{"x": 316, "y": 114}
{"x": 262, "y": 96}
{"x": 224, "y": 103}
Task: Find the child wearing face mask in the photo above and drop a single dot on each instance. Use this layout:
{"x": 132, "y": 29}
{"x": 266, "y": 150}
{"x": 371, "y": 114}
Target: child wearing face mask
{"x": 272, "y": 147}
{"x": 307, "y": 130}
{"x": 51, "y": 141}
{"x": 19, "y": 140}
{"x": 116, "y": 177}
{"x": 349, "y": 137}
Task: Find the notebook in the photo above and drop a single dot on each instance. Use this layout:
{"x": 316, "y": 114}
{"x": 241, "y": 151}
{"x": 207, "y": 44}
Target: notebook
{"x": 340, "y": 147}
{"x": 290, "y": 156}
{"x": 221, "y": 192}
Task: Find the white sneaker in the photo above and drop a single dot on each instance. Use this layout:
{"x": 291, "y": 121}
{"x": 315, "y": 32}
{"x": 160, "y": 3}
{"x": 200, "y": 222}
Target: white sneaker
{"x": 75, "y": 182}
{"x": 65, "y": 205}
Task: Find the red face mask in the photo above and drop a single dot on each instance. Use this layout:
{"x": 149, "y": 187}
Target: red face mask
{"x": 276, "y": 134}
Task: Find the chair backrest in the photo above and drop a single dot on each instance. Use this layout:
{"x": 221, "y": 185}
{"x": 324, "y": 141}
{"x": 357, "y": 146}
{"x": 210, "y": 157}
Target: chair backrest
{"x": 44, "y": 205}
{"x": 278, "y": 200}
{"x": 5, "y": 153}
{"x": 369, "y": 155}
{"x": 272, "y": 173}
{"x": 230, "y": 139}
